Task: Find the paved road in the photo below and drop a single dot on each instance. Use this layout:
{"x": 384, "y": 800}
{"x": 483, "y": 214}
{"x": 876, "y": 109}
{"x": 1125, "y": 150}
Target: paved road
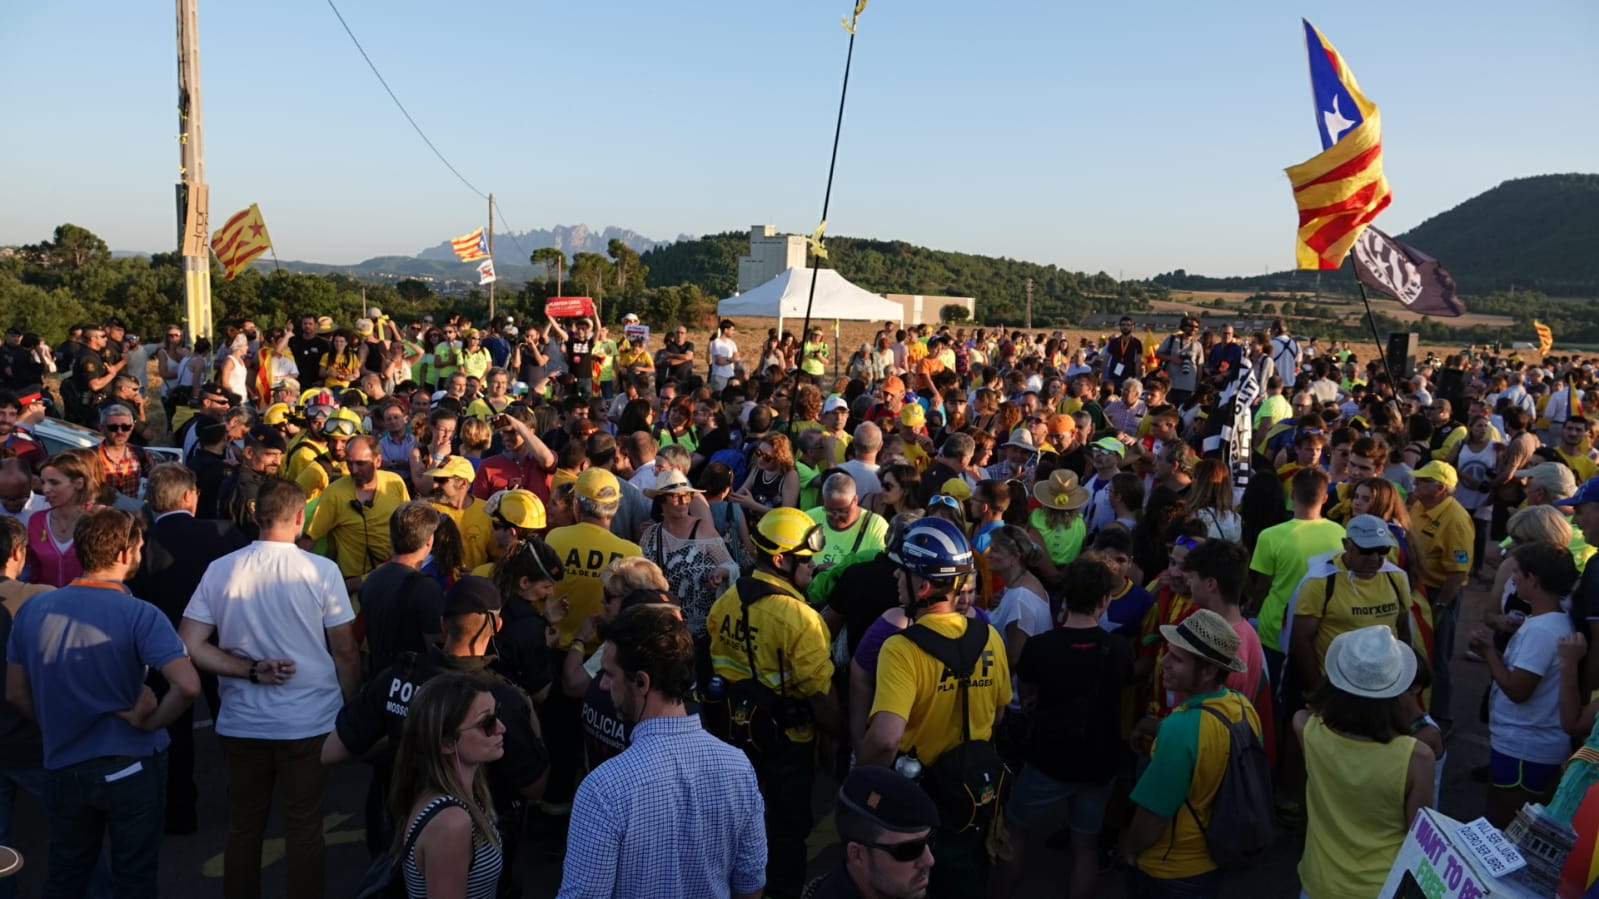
{"x": 191, "y": 866}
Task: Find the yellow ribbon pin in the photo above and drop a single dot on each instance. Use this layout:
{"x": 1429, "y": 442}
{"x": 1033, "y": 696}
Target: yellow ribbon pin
{"x": 819, "y": 249}
{"x": 849, "y": 23}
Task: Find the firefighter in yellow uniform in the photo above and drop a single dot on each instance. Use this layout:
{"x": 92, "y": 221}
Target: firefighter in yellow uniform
{"x": 773, "y": 683}
{"x": 944, "y": 664}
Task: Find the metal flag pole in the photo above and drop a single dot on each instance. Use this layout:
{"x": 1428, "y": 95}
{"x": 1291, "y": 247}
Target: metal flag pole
{"x": 818, "y": 251}
{"x": 1371, "y": 317}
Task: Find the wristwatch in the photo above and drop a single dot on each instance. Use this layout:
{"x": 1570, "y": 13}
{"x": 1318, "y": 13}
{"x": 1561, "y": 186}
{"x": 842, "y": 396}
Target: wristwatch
{"x": 255, "y": 667}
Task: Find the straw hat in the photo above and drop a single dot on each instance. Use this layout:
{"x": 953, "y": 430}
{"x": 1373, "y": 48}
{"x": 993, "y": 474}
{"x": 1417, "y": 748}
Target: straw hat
{"x": 1208, "y": 636}
{"x": 1370, "y": 662}
{"x": 1023, "y": 439}
{"x": 1061, "y": 491}
{"x": 670, "y": 481}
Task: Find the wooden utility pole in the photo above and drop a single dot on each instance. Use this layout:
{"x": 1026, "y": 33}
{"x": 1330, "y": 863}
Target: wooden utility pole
{"x": 491, "y": 254}
{"x": 193, "y": 201}
{"x": 1029, "y": 304}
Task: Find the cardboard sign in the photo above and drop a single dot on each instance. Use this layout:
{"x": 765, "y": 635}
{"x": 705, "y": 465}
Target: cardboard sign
{"x": 568, "y": 307}
{"x": 1433, "y": 863}
{"x": 1489, "y": 847}
{"x": 640, "y": 331}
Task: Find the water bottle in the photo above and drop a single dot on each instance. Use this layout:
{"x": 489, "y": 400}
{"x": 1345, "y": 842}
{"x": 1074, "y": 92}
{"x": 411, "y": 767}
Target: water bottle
{"x": 909, "y": 765}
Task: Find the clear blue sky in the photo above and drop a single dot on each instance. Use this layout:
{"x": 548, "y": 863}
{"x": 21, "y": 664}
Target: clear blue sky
{"x": 1131, "y": 137}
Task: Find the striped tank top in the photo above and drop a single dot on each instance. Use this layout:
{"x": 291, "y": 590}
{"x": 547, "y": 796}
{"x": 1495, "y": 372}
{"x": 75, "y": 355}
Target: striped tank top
{"x": 482, "y": 876}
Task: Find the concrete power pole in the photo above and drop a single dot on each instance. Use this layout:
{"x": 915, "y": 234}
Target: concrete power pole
{"x": 491, "y": 254}
{"x": 193, "y": 194}
{"x": 1029, "y": 304}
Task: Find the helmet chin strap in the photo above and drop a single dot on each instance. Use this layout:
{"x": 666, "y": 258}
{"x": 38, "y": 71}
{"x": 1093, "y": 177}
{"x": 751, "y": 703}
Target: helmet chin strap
{"x": 912, "y": 604}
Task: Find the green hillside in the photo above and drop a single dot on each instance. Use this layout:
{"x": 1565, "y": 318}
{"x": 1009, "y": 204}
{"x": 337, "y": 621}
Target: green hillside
{"x": 1534, "y": 233}
{"x": 1060, "y": 297}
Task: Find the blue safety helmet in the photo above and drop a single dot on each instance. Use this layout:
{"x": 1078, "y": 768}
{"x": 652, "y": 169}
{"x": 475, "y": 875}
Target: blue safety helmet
{"x": 933, "y": 548}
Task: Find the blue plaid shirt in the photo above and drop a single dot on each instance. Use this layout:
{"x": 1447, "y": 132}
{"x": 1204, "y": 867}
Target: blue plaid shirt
{"x": 676, "y": 815}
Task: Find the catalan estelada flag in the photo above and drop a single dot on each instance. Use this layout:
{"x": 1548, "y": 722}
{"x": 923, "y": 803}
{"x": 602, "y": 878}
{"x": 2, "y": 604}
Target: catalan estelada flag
{"x": 471, "y": 247}
{"x": 1546, "y": 337}
{"x": 1341, "y": 189}
{"x": 240, "y": 241}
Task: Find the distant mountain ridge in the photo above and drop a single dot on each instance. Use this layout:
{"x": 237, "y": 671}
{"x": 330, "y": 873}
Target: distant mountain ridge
{"x": 570, "y": 239}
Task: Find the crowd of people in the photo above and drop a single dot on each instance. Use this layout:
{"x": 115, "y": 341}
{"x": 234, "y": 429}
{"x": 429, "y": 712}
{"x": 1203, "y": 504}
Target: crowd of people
{"x": 627, "y": 608}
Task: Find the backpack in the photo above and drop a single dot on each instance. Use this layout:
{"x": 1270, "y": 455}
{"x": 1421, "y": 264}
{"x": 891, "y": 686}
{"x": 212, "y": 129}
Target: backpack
{"x": 384, "y": 877}
{"x": 747, "y": 713}
{"x": 1241, "y": 815}
{"x": 736, "y": 460}
{"x": 967, "y": 781}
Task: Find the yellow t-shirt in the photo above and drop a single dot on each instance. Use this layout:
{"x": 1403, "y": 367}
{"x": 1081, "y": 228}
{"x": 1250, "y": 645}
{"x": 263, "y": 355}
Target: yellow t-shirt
{"x": 1444, "y": 538}
{"x": 585, "y": 549}
{"x": 1185, "y": 768}
{"x": 301, "y": 454}
{"x": 1355, "y": 602}
{"x": 360, "y": 541}
{"x": 1581, "y": 465}
{"x": 627, "y": 358}
{"x": 477, "y": 530}
{"x": 918, "y": 688}
{"x": 315, "y": 479}
{"x": 780, "y": 623}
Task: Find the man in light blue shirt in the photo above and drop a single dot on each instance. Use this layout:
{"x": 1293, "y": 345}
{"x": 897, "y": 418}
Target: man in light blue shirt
{"x": 678, "y": 814}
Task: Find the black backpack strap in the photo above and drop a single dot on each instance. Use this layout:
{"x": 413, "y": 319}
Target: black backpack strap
{"x": 866, "y": 520}
{"x": 959, "y": 654}
{"x": 1228, "y": 726}
{"x": 1332, "y": 583}
{"x": 751, "y": 591}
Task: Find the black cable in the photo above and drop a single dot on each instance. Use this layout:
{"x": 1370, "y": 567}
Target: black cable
{"x": 418, "y": 128}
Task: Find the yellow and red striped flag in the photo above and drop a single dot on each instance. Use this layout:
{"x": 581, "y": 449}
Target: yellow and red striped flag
{"x": 1340, "y": 190}
{"x": 1546, "y": 337}
{"x": 471, "y": 247}
{"x": 240, "y": 241}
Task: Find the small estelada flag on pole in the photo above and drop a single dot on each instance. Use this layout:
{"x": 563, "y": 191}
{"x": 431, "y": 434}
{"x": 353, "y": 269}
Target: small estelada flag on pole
{"x": 485, "y": 271}
{"x": 471, "y": 247}
{"x": 239, "y": 242}
{"x": 1546, "y": 337}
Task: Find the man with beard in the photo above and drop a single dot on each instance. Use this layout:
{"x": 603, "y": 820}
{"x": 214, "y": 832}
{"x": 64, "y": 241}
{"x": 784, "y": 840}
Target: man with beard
{"x": 124, "y": 463}
{"x": 353, "y": 513}
{"x": 1124, "y": 356}
{"x": 263, "y": 456}
{"x": 330, "y": 465}
{"x": 673, "y": 778}
{"x": 308, "y": 350}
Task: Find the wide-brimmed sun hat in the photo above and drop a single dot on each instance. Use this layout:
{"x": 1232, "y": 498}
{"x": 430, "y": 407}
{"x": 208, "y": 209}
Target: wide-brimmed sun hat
{"x": 1061, "y": 491}
{"x": 1208, "y": 636}
{"x": 1370, "y": 662}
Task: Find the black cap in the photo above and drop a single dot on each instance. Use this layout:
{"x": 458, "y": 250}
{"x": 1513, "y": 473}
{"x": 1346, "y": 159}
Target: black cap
{"x": 472, "y": 595}
{"x": 266, "y": 437}
{"x": 892, "y": 800}
{"x": 114, "y": 322}
{"x": 209, "y": 430}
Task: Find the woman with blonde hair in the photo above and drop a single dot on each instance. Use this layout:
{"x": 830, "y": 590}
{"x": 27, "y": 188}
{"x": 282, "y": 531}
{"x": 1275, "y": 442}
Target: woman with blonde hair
{"x": 1210, "y": 500}
{"x": 1380, "y": 497}
{"x": 773, "y": 481}
{"x": 985, "y": 410}
{"x": 70, "y": 483}
{"x": 449, "y": 845}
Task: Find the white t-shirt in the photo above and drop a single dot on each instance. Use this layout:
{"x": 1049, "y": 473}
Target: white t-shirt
{"x": 723, "y": 347}
{"x": 1285, "y": 358}
{"x": 1531, "y": 730}
{"x": 274, "y": 600}
{"x": 1030, "y": 612}
{"x": 865, "y": 475}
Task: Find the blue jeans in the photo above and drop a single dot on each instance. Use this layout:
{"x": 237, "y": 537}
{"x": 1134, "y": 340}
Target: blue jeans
{"x": 85, "y": 807}
{"x": 1200, "y": 886}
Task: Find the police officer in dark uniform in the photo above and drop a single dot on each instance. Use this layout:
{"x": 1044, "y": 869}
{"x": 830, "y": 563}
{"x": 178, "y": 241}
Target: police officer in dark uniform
{"x": 263, "y": 455}
{"x": 471, "y": 617}
{"x": 886, "y": 824}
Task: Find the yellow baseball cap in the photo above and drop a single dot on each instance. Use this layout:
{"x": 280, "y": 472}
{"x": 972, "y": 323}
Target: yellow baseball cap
{"x": 598, "y": 484}
{"x": 453, "y": 467}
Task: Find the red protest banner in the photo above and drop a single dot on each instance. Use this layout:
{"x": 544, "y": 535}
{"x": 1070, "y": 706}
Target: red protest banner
{"x": 568, "y": 307}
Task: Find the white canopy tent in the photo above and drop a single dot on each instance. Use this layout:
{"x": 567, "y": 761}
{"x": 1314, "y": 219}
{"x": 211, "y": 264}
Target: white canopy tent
{"x": 785, "y": 296}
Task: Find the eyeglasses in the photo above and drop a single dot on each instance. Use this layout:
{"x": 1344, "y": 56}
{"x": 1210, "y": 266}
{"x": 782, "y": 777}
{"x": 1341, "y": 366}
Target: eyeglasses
{"x": 488, "y": 724}
{"x": 119, "y": 428}
{"x": 905, "y": 852}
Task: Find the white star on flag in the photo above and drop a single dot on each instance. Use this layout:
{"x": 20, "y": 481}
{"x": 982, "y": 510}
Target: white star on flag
{"x": 1335, "y": 121}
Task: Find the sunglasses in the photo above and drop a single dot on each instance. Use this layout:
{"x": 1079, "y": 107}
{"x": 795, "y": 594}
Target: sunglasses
{"x": 1188, "y": 543}
{"x": 763, "y": 455}
{"x": 944, "y": 499}
{"x": 905, "y": 852}
{"x": 489, "y": 724}
{"x": 119, "y": 428}
{"x": 1372, "y": 550}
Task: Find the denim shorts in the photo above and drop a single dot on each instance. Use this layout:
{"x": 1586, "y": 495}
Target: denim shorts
{"x": 1038, "y": 801}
